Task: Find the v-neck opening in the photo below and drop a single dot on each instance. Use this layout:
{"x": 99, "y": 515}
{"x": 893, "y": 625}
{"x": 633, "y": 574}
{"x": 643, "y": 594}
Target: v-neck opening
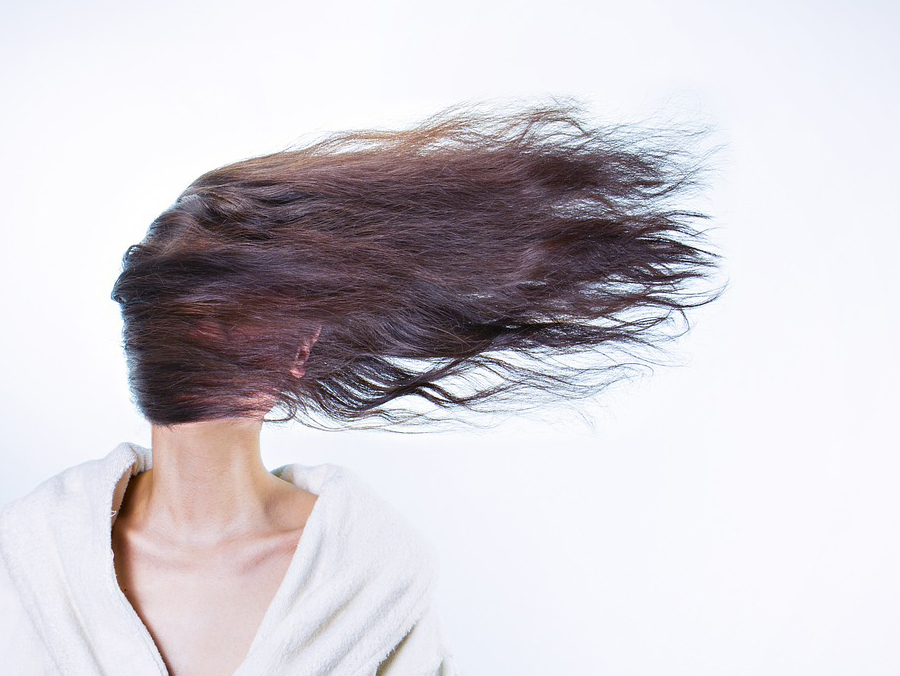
{"x": 298, "y": 557}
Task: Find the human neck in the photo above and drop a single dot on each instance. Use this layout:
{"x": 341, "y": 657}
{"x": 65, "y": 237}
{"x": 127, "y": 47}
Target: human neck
{"x": 207, "y": 483}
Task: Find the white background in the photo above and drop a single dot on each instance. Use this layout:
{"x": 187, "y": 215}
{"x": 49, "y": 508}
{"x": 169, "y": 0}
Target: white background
{"x": 737, "y": 514}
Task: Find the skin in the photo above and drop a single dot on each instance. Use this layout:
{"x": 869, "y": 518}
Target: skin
{"x": 203, "y": 540}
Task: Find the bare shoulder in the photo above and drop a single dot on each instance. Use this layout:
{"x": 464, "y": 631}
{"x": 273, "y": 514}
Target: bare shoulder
{"x": 294, "y": 507}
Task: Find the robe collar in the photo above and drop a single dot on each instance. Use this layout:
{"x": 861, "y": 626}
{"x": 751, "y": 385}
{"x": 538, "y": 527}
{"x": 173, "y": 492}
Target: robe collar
{"x": 360, "y": 578}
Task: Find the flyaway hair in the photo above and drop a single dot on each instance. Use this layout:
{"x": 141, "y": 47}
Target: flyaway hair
{"x": 485, "y": 259}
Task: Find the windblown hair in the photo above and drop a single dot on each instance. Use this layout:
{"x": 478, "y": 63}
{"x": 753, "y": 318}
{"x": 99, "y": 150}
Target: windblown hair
{"x": 454, "y": 263}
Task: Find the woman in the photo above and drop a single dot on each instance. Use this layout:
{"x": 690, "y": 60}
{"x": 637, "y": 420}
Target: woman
{"x": 458, "y": 262}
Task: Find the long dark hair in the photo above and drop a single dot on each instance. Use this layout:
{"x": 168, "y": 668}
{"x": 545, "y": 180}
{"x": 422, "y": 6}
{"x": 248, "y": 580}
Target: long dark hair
{"x": 484, "y": 252}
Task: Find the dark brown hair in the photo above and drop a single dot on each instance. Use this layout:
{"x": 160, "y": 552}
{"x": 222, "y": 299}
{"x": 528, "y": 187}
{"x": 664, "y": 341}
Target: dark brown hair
{"x": 481, "y": 253}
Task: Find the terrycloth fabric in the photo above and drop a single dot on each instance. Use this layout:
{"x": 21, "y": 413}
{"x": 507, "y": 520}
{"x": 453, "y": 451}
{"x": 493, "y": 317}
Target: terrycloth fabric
{"x": 357, "y": 599}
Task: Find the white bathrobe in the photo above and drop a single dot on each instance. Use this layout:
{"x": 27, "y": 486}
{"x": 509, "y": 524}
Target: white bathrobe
{"x": 357, "y": 599}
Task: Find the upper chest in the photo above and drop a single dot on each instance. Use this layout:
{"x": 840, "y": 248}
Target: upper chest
{"x": 202, "y": 608}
